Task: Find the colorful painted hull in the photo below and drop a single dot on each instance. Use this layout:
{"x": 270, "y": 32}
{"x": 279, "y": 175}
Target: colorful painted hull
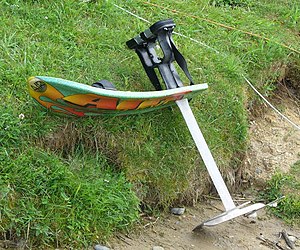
{"x": 79, "y": 99}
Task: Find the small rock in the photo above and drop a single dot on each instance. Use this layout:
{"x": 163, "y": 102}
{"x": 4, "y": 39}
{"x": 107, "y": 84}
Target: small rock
{"x": 292, "y": 238}
{"x": 157, "y": 248}
{"x": 100, "y": 247}
{"x": 252, "y": 215}
{"x": 258, "y": 171}
{"x": 178, "y": 210}
{"x": 177, "y": 222}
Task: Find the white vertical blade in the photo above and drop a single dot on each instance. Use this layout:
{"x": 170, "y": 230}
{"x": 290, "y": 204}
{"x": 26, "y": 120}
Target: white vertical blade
{"x": 205, "y": 154}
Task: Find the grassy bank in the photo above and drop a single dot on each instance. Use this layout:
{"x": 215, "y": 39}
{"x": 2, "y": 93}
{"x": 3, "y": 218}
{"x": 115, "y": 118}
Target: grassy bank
{"x": 287, "y": 185}
{"x": 75, "y": 181}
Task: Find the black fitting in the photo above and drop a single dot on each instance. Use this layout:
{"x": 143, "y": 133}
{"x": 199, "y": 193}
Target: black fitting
{"x": 160, "y": 33}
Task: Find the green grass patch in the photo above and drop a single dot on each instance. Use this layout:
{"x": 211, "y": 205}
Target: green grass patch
{"x": 51, "y": 202}
{"x": 54, "y": 201}
{"x": 287, "y": 185}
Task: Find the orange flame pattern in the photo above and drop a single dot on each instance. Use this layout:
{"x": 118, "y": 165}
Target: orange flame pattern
{"x": 83, "y": 104}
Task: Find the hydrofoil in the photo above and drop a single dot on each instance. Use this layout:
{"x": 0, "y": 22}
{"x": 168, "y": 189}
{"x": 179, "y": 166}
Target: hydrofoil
{"x": 79, "y": 99}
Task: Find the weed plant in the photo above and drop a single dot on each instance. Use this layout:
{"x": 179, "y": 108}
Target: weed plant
{"x": 67, "y": 181}
{"x": 287, "y": 185}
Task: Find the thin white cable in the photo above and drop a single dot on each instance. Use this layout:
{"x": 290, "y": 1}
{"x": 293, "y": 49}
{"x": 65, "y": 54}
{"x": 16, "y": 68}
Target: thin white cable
{"x": 275, "y": 109}
{"x": 196, "y": 41}
{"x": 127, "y": 11}
{"x": 218, "y": 52}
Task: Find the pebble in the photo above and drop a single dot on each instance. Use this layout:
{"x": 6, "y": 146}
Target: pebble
{"x": 252, "y": 215}
{"x": 292, "y": 238}
{"x": 178, "y": 210}
{"x": 100, "y": 247}
{"x": 157, "y": 248}
{"x": 258, "y": 171}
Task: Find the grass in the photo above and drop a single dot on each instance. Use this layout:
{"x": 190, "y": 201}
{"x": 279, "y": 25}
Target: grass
{"x": 287, "y": 185}
{"x": 147, "y": 159}
{"x": 59, "y": 205}
{"x": 51, "y": 201}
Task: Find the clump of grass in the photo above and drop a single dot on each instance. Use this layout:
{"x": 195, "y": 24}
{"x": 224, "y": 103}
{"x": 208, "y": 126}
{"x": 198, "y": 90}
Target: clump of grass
{"x": 46, "y": 203}
{"x": 11, "y": 128}
{"x": 45, "y": 200}
{"x": 287, "y": 185}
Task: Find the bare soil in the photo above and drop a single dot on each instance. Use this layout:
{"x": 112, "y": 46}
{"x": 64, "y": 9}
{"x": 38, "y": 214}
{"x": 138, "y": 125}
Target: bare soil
{"x": 175, "y": 232}
{"x": 274, "y": 145}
